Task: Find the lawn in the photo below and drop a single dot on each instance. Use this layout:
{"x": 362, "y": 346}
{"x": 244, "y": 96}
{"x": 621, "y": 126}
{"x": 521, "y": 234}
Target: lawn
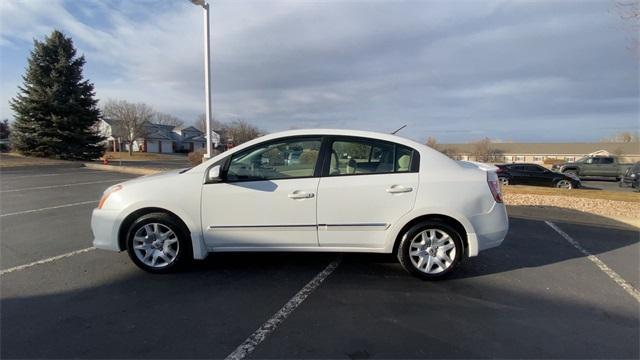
{"x": 143, "y": 156}
{"x": 13, "y": 159}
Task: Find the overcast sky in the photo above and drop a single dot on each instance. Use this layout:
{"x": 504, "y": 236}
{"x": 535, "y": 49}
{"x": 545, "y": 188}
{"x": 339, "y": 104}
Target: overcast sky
{"x": 455, "y": 70}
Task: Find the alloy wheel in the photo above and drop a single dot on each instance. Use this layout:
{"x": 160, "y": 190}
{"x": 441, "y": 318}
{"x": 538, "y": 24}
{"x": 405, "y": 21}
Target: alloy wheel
{"x": 156, "y": 245}
{"x": 564, "y": 184}
{"x": 432, "y": 251}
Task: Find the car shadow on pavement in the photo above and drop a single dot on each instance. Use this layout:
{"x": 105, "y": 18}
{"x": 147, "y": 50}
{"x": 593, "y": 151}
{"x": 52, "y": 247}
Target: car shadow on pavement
{"x": 530, "y": 243}
{"x": 101, "y": 306}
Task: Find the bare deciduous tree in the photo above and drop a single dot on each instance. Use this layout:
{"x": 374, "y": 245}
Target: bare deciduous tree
{"x": 623, "y": 137}
{"x": 240, "y": 131}
{"x": 433, "y": 143}
{"x": 166, "y": 119}
{"x": 483, "y": 150}
{"x": 129, "y": 119}
{"x": 201, "y": 124}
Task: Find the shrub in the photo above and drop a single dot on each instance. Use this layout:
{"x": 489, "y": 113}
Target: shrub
{"x": 195, "y": 157}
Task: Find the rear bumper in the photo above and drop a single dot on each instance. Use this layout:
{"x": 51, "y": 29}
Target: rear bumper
{"x": 105, "y": 225}
{"x": 490, "y": 230}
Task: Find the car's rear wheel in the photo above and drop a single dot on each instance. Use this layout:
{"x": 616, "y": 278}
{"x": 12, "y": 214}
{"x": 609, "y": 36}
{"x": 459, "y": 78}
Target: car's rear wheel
{"x": 430, "y": 250}
{"x": 564, "y": 184}
{"x": 158, "y": 243}
{"x": 504, "y": 181}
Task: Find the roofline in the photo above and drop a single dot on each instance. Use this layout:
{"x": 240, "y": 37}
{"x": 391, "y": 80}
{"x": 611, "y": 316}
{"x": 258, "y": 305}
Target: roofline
{"x": 434, "y": 156}
{"x": 341, "y": 132}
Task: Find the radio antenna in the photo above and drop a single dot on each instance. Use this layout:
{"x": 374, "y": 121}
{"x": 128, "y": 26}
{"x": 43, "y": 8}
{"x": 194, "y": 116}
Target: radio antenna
{"x": 400, "y": 128}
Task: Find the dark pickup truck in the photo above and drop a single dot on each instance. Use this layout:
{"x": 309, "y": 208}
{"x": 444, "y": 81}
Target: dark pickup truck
{"x": 594, "y": 166}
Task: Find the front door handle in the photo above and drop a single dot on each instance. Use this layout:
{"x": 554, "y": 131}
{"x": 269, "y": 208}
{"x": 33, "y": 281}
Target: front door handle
{"x": 397, "y": 189}
{"x": 296, "y": 195}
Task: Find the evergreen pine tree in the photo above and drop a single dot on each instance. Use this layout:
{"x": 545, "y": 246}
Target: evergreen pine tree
{"x": 55, "y": 109}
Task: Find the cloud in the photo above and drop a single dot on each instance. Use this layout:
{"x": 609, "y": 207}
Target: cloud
{"x": 459, "y": 71}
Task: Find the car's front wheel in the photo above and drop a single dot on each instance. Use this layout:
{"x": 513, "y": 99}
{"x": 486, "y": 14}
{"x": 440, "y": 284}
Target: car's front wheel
{"x": 430, "y": 250}
{"x": 158, "y": 243}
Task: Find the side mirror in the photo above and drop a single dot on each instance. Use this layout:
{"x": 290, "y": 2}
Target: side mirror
{"x": 214, "y": 174}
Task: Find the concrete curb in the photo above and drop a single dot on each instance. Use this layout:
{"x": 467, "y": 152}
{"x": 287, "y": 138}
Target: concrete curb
{"x": 123, "y": 169}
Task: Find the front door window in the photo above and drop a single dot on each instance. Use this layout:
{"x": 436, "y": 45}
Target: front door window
{"x": 295, "y": 158}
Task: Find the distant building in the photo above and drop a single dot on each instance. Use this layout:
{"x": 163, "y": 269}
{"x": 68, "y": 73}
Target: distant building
{"x": 156, "y": 138}
{"x": 538, "y": 152}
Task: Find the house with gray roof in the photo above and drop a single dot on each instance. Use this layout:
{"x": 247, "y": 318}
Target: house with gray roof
{"x": 155, "y": 138}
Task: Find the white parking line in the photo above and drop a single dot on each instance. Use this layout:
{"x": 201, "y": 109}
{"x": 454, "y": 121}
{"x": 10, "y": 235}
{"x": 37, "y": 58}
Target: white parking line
{"x": 87, "y": 171}
{"x": 249, "y": 345}
{"x": 65, "y": 185}
{"x": 44, "y": 261}
{"x": 607, "y": 270}
{"x": 50, "y": 208}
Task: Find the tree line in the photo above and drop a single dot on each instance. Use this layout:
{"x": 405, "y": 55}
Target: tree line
{"x": 484, "y": 149}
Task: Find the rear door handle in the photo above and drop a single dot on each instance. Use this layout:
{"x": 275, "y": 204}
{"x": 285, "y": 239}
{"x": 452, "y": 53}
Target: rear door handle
{"x": 397, "y": 189}
{"x": 296, "y": 195}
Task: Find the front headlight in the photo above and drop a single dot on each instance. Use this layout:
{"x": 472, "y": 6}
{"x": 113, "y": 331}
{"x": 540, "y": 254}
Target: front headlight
{"x": 633, "y": 175}
{"x": 108, "y": 193}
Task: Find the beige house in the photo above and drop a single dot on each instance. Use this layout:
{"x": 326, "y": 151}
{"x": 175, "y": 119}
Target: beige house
{"x": 538, "y": 152}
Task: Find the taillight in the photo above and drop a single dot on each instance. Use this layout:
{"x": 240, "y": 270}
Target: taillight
{"x": 494, "y": 186}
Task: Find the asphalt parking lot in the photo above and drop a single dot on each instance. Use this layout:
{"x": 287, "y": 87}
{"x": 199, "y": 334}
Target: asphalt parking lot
{"x": 537, "y": 296}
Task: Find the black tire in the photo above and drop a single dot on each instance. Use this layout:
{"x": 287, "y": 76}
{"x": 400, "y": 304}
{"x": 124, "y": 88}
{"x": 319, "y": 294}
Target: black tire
{"x": 411, "y": 233}
{"x": 184, "y": 253}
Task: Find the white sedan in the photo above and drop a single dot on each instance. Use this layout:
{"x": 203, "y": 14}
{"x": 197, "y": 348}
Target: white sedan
{"x": 309, "y": 190}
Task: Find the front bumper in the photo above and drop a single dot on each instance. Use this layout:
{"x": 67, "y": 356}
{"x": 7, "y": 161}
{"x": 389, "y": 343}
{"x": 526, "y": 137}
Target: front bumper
{"x": 105, "y": 225}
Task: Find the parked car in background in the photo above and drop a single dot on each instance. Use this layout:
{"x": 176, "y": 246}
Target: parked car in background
{"x": 594, "y": 166}
{"x": 631, "y": 178}
{"x": 390, "y": 195}
{"x": 535, "y": 175}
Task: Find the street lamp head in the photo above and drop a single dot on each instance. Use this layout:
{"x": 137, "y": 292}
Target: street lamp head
{"x": 199, "y": 2}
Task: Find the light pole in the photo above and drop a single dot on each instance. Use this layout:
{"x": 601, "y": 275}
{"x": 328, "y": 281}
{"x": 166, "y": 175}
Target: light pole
{"x": 207, "y": 73}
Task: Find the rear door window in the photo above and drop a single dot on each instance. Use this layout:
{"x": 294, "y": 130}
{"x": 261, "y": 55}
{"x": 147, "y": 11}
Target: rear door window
{"x": 361, "y": 156}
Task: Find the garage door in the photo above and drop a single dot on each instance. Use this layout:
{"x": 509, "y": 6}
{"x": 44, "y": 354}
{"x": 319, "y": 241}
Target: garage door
{"x": 152, "y": 146}
{"x": 167, "y": 147}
